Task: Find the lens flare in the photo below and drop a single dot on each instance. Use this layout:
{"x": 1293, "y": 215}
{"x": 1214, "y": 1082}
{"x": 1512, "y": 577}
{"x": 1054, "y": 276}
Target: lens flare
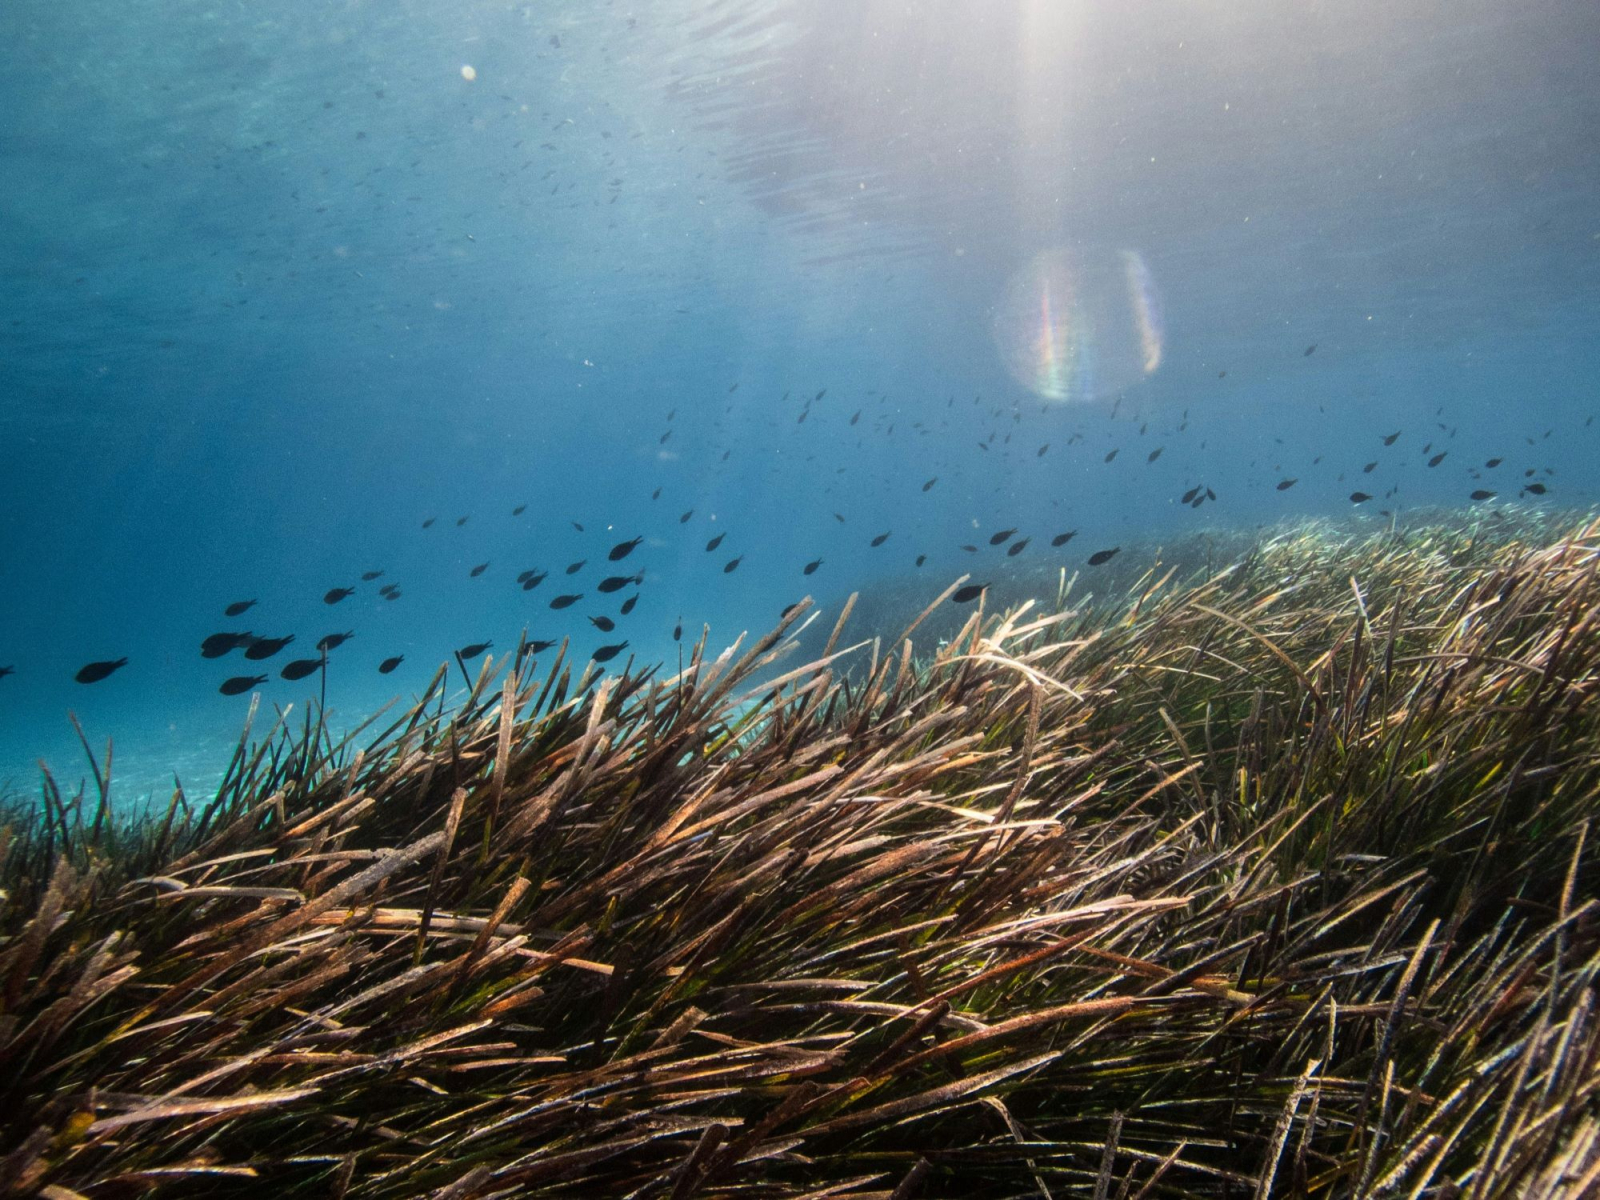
{"x": 1077, "y": 326}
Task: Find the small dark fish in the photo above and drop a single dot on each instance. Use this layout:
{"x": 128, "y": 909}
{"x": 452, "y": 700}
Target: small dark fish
{"x": 1017, "y": 547}
{"x": 1210, "y": 495}
{"x": 577, "y": 526}
{"x": 811, "y": 567}
{"x": 300, "y": 668}
{"x": 390, "y": 664}
{"x": 240, "y": 683}
{"x": 664, "y": 437}
{"x": 334, "y": 640}
{"x": 574, "y": 568}
{"x": 4, "y": 671}
{"x": 1538, "y": 489}
{"x": 881, "y": 538}
{"x": 1483, "y": 494}
{"x": 656, "y": 495}
{"x": 966, "y": 595}
{"x": 1042, "y": 449}
{"x": 1494, "y": 462}
{"x": 566, "y": 601}
{"x": 627, "y": 605}
{"x": 1155, "y": 454}
{"x": 1188, "y": 497}
{"x": 1003, "y": 536}
{"x": 1359, "y": 497}
{"x": 615, "y": 583}
{"x": 684, "y": 520}
{"x": 515, "y": 512}
{"x": 478, "y": 570}
{"x": 394, "y": 595}
{"x": 429, "y": 522}
{"x": 1437, "y": 458}
{"x": 930, "y": 483}
{"x": 970, "y": 549}
{"x": 266, "y": 647}
{"x": 538, "y": 647}
{"x": 460, "y": 521}
{"x": 839, "y": 517}
{"x": 1309, "y": 349}
{"x": 524, "y": 576}
{"x": 607, "y": 653}
{"x": 1112, "y": 455}
{"x": 1061, "y": 539}
{"x": 715, "y": 542}
{"x": 219, "y": 644}
{"x": 819, "y": 395}
{"x": 1389, "y": 439}
{"x": 856, "y": 418}
{"x": 1103, "y": 556}
{"x": 733, "y": 565}
{"x": 369, "y": 576}
{"x": 1285, "y": 484}
{"x": 238, "y": 608}
{"x": 1369, "y": 468}
{"x": 387, "y": 588}
{"x": 533, "y": 581}
{"x": 622, "y": 549}
{"x": 677, "y": 632}
{"x": 474, "y": 650}
{"x": 334, "y": 595}
{"x": 96, "y": 671}
{"x": 921, "y": 558}
{"x": 603, "y": 624}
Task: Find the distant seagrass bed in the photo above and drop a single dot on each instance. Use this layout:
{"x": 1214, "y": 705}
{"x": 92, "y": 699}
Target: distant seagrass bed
{"x": 1273, "y": 875}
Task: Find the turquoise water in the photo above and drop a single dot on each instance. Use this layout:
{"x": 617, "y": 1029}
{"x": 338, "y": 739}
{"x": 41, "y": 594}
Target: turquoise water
{"x": 282, "y": 285}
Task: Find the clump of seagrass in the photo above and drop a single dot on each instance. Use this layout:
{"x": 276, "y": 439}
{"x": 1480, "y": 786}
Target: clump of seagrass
{"x": 1278, "y": 883}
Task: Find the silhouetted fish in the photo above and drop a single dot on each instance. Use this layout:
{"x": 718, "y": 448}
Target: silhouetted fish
{"x": 429, "y": 522}
{"x": 603, "y": 624}
{"x": 566, "y": 601}
{"x": 615, "y": 583}
{"x": 219, "y": 644}
{"x": 334, "y": 640}
{"x": 921, "y": 558}
{"x": 684, "y": 520}
{"x": 516, "y": 512}
{"x": 387, "y": 588}
{"x": 1494, "y": 462}
{"x": 266, "y": 647}
{"x": 733, "y": 565}
{"x": 1538, "y": 489}
{"x": 627, "y": 605}
{"x": 390, "y": 664}
{"x": 96, "y": 671}
{"x": 1103, "y": 556}
{"x": 811, "y": 567}
{"x": 1484, "y": 494}
{"x": 1155, "y": 454}
{"x": 1017, "y": 547}
{"x": 4, "y": 671}
{"x": 574, "y": 568}
{"x": 1389, "y": 439}
{"x": 607, "y": 653}
{"x": 238, "y": 608}
{"x": 334, "y": 595}
{"x": 715, "y": 542}
{"x": 300, "y": 668}
{"x": 1309, "y": 349}
{"x": 240, "y": 683}
{"x": 622, "y": 549}
{"x": 538, "y": 647}
{"x": 460, "y": 521}
{"x": 1359, "y": 497}
{"x": 677, "y": 632}
{"x": 881, "y": 538}
{"x": 1189, "y": 496}
{"x": 1112, "y": 455}
{"x": 474, "y": 650}
{"x": 1285, "y": 484}
{"x": 1002, "y": 536}
{"x": 1369, "y": 468}
{"x": 478, "y": 570}
{"x": 839, "y": 517}
{"x": 1061, "y": 539}
{"x": 930, "y": 483}
{"x": 369, "y": 576}
{"x": 966, "y": 595}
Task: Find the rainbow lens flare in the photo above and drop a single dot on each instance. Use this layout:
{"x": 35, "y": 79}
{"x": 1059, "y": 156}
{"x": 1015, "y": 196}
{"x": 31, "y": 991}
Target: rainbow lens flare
{"x": 1077, "y": 326}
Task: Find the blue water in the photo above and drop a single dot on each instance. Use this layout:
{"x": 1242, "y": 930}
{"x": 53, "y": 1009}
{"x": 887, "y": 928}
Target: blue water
{"x": 281, "y": 284}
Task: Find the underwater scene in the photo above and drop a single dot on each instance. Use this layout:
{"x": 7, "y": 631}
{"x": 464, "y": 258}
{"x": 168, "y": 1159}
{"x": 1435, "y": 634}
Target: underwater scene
{"x": 800, "y": 597}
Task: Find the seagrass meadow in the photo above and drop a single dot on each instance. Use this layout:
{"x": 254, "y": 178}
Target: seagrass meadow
{"x": 1268, "y": 878}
